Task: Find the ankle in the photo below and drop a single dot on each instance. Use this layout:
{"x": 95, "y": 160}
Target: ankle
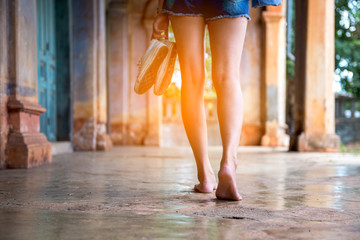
{"x": 206, "y": 175}
{"x": 228, "y": 162}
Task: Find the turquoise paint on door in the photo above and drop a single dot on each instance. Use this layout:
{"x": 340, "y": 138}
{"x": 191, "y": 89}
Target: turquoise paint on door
{"x": 47, "y": 66}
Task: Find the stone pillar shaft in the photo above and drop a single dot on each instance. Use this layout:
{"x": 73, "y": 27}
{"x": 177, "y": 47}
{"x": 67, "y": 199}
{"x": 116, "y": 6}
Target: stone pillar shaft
{"x": 83, "y": 74}
{"x": 320, "y": 69}
{"x": 101, "y": 64}
{"x": 275, "y": 66}
{"x": 118, "y": 71}
{"x": 103, "y": 141}
{"x": 25, "y": 146}
{"x": 275, "y": 77}
{"x": 5, "y": 72}
{"x": 87, "y": 74}
{"x": 319, "y": 132}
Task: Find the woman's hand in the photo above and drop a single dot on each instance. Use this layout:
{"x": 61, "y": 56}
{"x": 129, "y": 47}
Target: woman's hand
{"x": 160, "y": 26}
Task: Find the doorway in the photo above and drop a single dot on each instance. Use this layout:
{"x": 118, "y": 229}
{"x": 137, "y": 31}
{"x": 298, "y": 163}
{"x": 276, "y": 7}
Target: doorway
{"x": 54, "y": 68}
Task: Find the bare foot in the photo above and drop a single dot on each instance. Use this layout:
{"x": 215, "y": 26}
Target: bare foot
{"x": 207, "y": 184}
{"x": 227, "y": 189}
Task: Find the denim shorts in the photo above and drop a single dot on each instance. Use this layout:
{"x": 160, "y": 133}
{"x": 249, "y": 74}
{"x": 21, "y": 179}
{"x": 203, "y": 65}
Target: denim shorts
{"x": 209, "y": 9}
{"x": 213, "y": 9}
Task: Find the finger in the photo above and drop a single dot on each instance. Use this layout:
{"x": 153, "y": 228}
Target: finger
{"x": 160, "y": 27}
{"x": 167, "y": 34}
{"x": 156, "y": 35}
{"x": 161, "y": 31}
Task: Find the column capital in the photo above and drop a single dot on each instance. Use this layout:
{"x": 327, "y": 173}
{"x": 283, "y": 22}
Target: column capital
{"x": 25, "y": 106}
{"x": 277, "y": 9}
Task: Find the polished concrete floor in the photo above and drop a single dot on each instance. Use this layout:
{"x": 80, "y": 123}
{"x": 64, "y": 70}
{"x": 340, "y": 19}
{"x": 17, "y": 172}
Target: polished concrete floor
{"x": 146, "y": 193}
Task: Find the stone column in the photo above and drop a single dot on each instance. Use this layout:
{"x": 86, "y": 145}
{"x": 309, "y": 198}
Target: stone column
{"x": 319, "y": 134}
{"x": 103, "y": 141}
{"x": 275, "y": 76}
{"x": 87, "y": 73}
{"x": 4, "y": 74}
{"x": 118, "y": 71}
{"x": 25, "y": 147}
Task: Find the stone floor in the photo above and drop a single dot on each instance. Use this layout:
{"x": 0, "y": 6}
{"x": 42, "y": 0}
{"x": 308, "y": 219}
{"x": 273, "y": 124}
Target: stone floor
{"x": 146, "y": 193}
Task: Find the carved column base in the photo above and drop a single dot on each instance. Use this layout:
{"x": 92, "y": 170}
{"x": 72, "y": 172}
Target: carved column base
{"x": 26, "y": 150}
{"x": 85, "y": 138}
{"x": 275, "y": 135}
{"x": 328, "y": 143}
{"x": 92, "y": 136}
{"x": 103, "y": 140}
{"x": 26, "y": 146}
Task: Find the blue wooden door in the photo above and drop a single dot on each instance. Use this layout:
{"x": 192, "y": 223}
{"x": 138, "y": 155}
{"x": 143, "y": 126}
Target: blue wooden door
{"x": 47, "y": 66}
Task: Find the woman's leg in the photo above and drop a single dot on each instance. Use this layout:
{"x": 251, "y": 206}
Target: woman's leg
{"x": 189, "y": 35}
{"x": 227, "y": 37}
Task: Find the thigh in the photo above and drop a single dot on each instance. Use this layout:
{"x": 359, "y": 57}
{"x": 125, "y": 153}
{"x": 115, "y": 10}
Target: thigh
{"x": 189, "y": 35}
{"x": 227, "y": 36}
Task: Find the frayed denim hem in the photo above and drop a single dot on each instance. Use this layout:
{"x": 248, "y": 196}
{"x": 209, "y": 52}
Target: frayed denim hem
{"x": 228, "y": 16}
{"x": 201, "y": 15}
{"x": 182, "y": 14}
{"x": 264, "y": 5}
